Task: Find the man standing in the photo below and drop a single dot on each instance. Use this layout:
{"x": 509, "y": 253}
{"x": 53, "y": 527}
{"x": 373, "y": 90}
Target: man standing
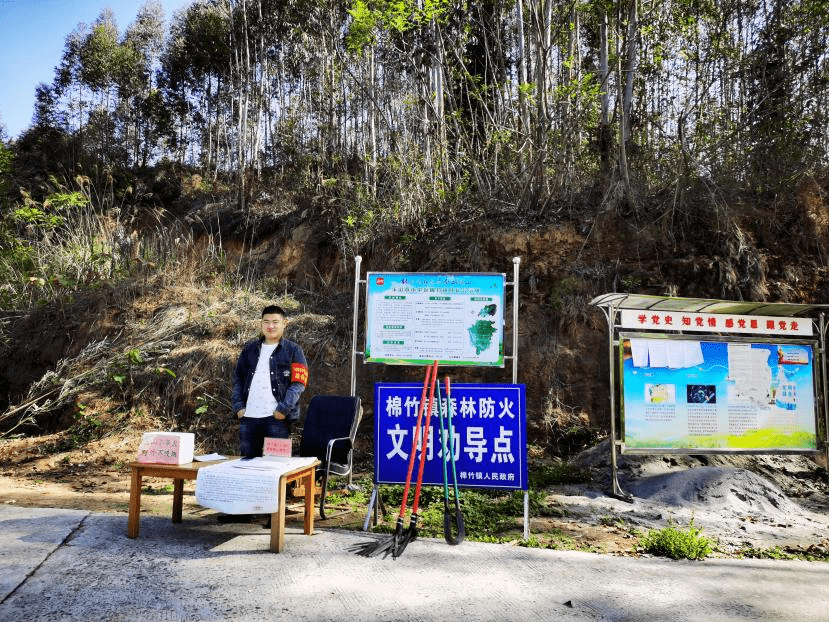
{"x": 269, "y": 379}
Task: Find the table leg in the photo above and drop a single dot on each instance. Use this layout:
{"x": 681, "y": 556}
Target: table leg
{"x": 133, "y": 524}
{"x": 178, "y": 494}
{"x": 278, "y": 520}
{"x": 309, "y": 500}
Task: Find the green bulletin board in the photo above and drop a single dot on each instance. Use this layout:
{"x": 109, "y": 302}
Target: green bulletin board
{"x": 417, "y": 318}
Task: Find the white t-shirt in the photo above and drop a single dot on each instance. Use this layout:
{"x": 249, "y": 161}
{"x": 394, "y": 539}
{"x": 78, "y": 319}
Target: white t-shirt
{"x": 261, "y": 402}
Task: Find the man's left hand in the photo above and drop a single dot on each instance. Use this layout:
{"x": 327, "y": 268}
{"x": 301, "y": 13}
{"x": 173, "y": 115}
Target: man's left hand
{"x": 279, "y": 416}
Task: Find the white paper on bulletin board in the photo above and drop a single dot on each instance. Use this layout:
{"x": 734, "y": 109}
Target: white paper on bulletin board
{"x": 706, "y": 394}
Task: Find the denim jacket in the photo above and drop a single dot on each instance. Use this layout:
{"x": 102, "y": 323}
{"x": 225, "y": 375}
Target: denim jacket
{"x": 289, "y": 376}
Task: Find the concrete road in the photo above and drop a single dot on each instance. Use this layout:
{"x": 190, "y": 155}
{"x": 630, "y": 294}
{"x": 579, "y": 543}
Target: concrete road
{"x": 75, "y": 565}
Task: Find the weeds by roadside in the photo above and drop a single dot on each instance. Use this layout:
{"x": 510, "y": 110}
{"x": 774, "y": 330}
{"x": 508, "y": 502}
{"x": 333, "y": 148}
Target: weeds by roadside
{"x": 676, "y": 543}
{"x": 495, "y": 517}
{"x": 489, "y": 515}
{"x": 810, "y": 555}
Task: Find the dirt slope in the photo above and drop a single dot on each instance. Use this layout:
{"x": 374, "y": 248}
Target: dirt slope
{"x": 86, "y": 376}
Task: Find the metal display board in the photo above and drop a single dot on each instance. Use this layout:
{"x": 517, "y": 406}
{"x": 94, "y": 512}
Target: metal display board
{"x": 416, "y": 318}
{"x": 489, "y": 441}
{"x": 782, "y": 343}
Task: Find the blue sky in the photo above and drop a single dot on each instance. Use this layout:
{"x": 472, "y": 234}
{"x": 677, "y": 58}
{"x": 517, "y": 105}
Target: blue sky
{"x": 32, "y": 38}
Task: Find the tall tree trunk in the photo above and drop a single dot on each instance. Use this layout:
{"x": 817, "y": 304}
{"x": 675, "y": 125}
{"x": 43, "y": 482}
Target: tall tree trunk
{"x": 523, "y": 77}
{"x": 626, "y": 77}
{"x": 605, "y": 135}
{"x": 372, "y": 111}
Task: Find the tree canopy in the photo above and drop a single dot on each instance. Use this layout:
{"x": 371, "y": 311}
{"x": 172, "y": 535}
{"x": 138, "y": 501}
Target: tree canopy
{"x": 443, "y": 104}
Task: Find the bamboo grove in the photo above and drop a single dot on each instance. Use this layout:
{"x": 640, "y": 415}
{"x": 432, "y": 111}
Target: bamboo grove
{"x": 401, "y": 108}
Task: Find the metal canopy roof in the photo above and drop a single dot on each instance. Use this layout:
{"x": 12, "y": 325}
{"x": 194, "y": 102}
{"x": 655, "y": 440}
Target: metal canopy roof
{"x": 706, "y": 305}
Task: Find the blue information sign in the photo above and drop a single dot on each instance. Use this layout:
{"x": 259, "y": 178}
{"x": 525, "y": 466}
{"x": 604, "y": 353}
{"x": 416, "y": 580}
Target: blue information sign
{"x": 489, "y": 441}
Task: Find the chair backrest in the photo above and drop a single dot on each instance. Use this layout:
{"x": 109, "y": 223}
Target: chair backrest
{"x": 328, "y": 417}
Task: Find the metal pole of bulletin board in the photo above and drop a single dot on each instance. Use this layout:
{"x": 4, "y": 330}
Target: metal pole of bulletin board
{"x": 616, "y": 489}
{"x": 824, "y": 405}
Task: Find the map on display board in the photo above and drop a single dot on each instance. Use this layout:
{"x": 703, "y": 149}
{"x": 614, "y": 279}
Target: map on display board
{"x": 717, "y": 395}
{"x": 417, "y": 318}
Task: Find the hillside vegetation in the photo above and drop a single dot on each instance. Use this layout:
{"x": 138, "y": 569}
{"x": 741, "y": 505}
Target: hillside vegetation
{"x": 179, "y": 175}
{"x": 143, "y": 335}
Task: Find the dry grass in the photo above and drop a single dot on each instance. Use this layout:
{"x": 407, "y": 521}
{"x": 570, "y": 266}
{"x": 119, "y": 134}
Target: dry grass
{"x": 176, "y": 319}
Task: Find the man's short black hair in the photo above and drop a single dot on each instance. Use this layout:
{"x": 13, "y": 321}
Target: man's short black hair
{"x": 273, "y": 309}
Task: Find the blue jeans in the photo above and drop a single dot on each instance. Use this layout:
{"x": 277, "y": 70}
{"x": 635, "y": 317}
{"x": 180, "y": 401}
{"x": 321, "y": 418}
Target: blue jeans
{"x": 252, "y": 433}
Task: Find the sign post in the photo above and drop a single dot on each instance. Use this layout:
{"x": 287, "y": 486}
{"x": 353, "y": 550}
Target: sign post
{"x": 456, "y": 319}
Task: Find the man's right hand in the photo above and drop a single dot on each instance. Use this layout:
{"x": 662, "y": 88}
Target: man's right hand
{"x": 240, "y": 414}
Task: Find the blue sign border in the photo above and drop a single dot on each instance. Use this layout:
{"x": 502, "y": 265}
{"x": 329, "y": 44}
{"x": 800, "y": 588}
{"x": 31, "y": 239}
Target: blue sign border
{"x": 493, "y": 453}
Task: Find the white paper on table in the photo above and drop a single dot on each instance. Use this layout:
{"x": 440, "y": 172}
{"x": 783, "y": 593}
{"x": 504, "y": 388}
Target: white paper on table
{"x": 244, "y": 486}
{"x": 209, "y": 457}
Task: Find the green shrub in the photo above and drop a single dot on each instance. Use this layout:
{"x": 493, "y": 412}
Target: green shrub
{"x": 675, "y": 543}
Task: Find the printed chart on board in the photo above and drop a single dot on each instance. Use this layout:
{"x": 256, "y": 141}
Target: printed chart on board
{"x": 728, "y": 395}
{"x": 414, "y": 319}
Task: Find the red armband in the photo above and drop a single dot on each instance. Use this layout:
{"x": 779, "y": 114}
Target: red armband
{"x": 299, "y": 373}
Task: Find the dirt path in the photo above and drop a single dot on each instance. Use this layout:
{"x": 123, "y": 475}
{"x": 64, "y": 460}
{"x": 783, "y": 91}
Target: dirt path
{"x": 761, "y": 503}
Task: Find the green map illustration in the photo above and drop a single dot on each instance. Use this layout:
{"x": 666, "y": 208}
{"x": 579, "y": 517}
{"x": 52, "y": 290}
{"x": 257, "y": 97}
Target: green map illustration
{"x": 480, "y": 333}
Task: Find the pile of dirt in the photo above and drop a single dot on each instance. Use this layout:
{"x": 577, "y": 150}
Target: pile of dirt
{"x": 743, "y": 502}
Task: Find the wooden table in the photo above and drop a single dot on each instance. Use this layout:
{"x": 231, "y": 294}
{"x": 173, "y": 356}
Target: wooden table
{"x": 180, "y": 472}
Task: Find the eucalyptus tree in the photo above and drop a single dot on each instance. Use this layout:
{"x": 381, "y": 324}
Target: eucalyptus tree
{"x": 408, "y": 91}
{"x": 195, "y": 66}
{"x": 139, "y": 97}
{"x": 785, "y": 77}
{"x": 728, "y": 91}
{"x": 66, "y": 86}
{"x": 98, "y": 62}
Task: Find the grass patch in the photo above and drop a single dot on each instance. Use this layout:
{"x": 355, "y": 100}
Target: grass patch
{"x": 489, "y": 515}
{"x": 777, "y": 553}
{"x": 676, "y": 543}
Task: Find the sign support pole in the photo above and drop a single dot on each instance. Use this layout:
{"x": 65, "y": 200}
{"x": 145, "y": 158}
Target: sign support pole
{"x": 516, "y": 263}
{"x": 357, "y": 261}
{"x": 616, "y": 489}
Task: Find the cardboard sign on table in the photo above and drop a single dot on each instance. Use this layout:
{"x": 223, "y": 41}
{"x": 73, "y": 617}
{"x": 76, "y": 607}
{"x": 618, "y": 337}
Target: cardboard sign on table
{"x": 166, "y": 448}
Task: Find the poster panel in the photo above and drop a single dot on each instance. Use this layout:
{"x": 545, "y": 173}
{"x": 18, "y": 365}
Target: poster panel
{"x": 417, "y": 318}
{"x": 489, "y": 443}
{"x": 717, "y": 395}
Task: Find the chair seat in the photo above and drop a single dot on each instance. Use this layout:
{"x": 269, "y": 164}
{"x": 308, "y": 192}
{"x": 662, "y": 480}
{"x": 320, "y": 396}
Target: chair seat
{"x": 339, "y": 469}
